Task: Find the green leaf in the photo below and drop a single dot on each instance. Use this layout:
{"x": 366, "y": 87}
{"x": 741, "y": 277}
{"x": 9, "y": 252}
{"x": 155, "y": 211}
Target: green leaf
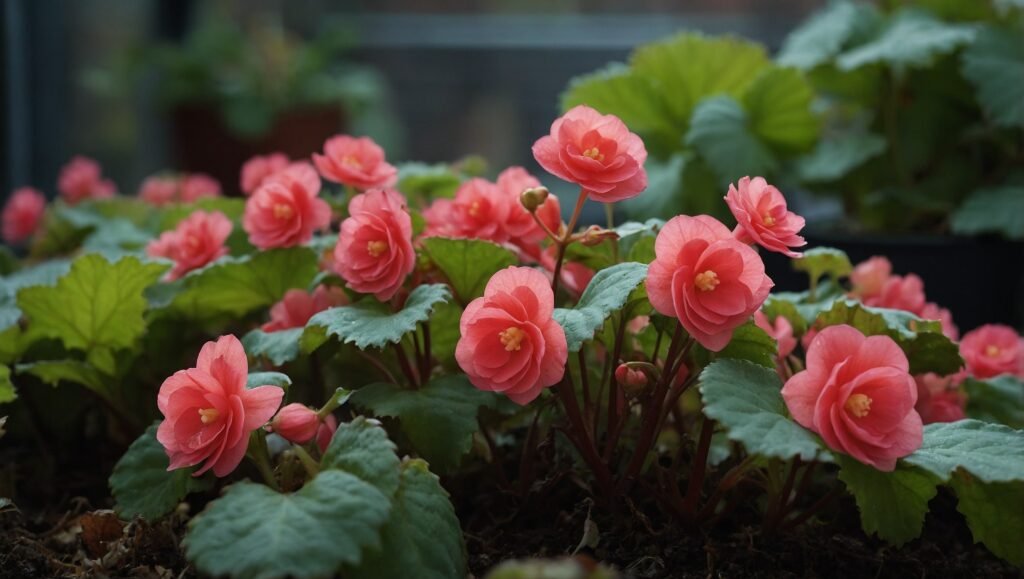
{"x": 990, "y": 452}
{"x": 689, "y": 67}
{"x": 97, "y": 305}
{"x": 368, "y": 323}
{"x": 994, "y": 64}
{"x": 999, "y": 399}
{"x": 53, "y": 372}
{"x": 892, "y": 504}
{"x": 468, "y": 263}
{"x": 607, "y": 293}
{"x": 362, "y": 448}
{"x": 995, "y": 210}
{"x": 910, "y": 39}
{"x": 237, "y": 286}
{"x": 779, "y": 106}
{"x": 440, "y": 418}
{"x": 421, "y": 537}
{"x": 820, "y": 38}
{"x": 834, "y": 157}
{"x": 719, "y": 131}
{"x": 171, "y": 215}
{"x": 141, "y": 484}
{"x": 257, "y": 379}
{"x": 429, "y": 181}
{"x": 746, "y": 399}
{"x": 279, "y": 347}
{"x": 257, "y": 533}
{"x": 774, "y": 307}
{"x": 749, "y": 343}
{"x": 7, "y": 391}
{"x": 822, "y": 261}
{"x": 994, "y": 515}
{"x": 921, "y": 340}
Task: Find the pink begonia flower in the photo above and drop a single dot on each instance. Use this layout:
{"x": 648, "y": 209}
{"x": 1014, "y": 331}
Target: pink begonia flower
{"x": 374, "y": 252}
{"x": 481, "y": 210}
{"x": 22, "y": 214}
{"x": 763, "y": 218}
{"x": 509, "y": 342}
{"x": 197, "y": 241}
{"x": 298, "y": 306}
{"x": 160, "y": 189}
{"x": 209, "y": 412}
{"x": 706, "y": 278}
{"x": 440, "y": 219}
{"x": 991, "y": 350}
{"x": 596, "y": 152}
{"x": 285, "y": 211}
{"x": 858, "y": 394}
{"x": 195, "y": 186}
{"x": 296, "y": 423}
{"x": 900, "y": 293}
{"x": 630, "y": 377}
{"x": 932, "y": 311}
{"x": 80, "y": 179}
{"x": 325, "y": 432}
{"x": 575, "y": 277}
{"x": 869, "y": 277}
{"x": 258, "y": 168}
{"x": 521, "y": 227}
{"x": 938, "y": 400}
{"x": 781, "y": 331}
{"x": 357, "y": 162}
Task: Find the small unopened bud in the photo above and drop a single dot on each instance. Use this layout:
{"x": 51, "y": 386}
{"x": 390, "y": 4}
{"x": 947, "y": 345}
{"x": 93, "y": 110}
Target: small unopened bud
{"x": 595, "y": 235}
{"x": 533, "y": 198}
{"x": 296, "y": 423}
{"x": 632, "y": 379}
{"x": 325, "y": 432}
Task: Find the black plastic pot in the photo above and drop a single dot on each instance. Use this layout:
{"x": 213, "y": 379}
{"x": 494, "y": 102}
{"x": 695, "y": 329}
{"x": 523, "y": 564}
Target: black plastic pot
{"x": 979, "y": 279}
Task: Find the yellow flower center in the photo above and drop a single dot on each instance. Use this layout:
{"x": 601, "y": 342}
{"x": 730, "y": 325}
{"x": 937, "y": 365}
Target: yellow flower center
{"x": 768, "y": 220}
{"x": 992, "y": 351}
{"x": 474, "y": 209}
{"x": 283, "y": 211}
{"x": 512, "y": 338}
{"x": 859, "y": 405}
{"x": 208, "y": 415}
{"x": 376, "y": 248}
{"x": 706, "y": 281}
{"x": 192, "y": 241}
{"x": 594, "y": 153}
{"x": 351, "y": 162}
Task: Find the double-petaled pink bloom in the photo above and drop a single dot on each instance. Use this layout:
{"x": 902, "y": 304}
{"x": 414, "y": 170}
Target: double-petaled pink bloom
{"x": 874, "y": 284}
{"x": 298, "y": 306}
{"x": 374, "y": 252}
{"x": 257, "y": 169}
{"x": 706, "y": 278}
{"x": 858, "y": 394}
{"x": 356, "y": 162}
{"x": 285, "y": 211}
{"x": 209, "y": 412}
{"x": 596, "y": 152}
{"x": 509, "y": 341}
{"x": 763, "y": 218}
{"x": 938, "y": 399}
{"x": 81, "y": 179}
{"x": 197, "y": 241}
{"x": 22, "y": 214}
{"x": 991, "y": 350}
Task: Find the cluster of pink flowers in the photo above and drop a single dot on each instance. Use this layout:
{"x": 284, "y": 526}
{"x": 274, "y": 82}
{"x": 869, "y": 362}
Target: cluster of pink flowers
{"x": 164, "y": 189}
{"x": 198, "y": 240}
{"x": 81, "y": 179}
{"x": 876, "y": 286}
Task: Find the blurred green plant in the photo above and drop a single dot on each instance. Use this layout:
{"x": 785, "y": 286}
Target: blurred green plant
{"x": 710, "y": 109}
{"x": 250, "y": 72}
{"x": 923, "y": 113}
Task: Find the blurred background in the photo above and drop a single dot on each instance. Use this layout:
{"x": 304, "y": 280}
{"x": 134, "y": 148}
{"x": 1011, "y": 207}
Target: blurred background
{"x": 896, "y": 127}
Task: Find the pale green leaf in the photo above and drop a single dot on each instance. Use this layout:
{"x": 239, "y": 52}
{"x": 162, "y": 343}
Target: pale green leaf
{"x": 778, "y": 104}
{"x": 721, "y": 133}
{"x": 468, "y": 264}
{"x": 995, "y": 210}
{"x": 820, "y": 38}
{"x": 7, "y": 391}
{"x": 279, "y": 347}
{"x": 607, "y": 293}
{"x": 834, "y": 157}
{"x": 990, "y": 452}
{"x": 368, "y": 323}
{"x": 910, "y": 39}
{"x": 257, "y": 379}
{"x": 822, "y": 261}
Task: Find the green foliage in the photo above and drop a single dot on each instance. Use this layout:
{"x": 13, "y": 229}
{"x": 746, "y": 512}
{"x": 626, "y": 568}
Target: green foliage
{"x": 7, "y": 391}
{"x": 607, "y": 293}
{"x": 369, "y": 323}
{"x": 257, "y": 379}
{"x": 779, "y": 106}
{"x": 822, "y": 261}
{"x": 911, "y": 38}
{"x": 774, "y": 307}
{"x": 746, "y": 399}
{"x": 989, "y": 452}
{"x": 822, "y": 37}
{"x": 53, "y": 372}
{"x": 279, "y": 347}
{"x": 362, "y": 448}
{"x": 993, "y": 210}
{"x": 993, "y": 514}
{"x": 439, "y": 418}
{"x": 834, "y": 158}
{"x": 235, "y": 286}
{"x": 927, "y": 349}
{"x": 749, "y": 343}
{"x": 994, "y": 64}
{"x": 719, "y": 132}
{"x": 999, "y": 399}
{"x": 427, "y": 181}
{"x": 468, "y": 264}
{"x": 141, "y": 484}
{"x": 421, "y": 536}
{"x": 892, "y": 505}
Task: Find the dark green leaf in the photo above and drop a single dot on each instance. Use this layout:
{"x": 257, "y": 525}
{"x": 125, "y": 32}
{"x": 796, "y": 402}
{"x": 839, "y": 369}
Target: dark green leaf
{"x": 778, "y": 104}
{"x": 279, "y": 347}
{"x": 994, "y": 64}
{"x": 833, "y": 158}
{"x": 994, "y": 514}
{"x": 369, "y": 323}
{"x": 910, "y": 39}
{"x": 892, "y": 504}
{"x": 607, "y": 293}
{"x": 363, "y": 449}
{"x": 999, "y": 399}
{"x": 990, "y": 452}
{"x": 820, "y": 38}
{"x": 995, "y": 210}
{"x": 7, "y": 391}
{"x": 257, "y": 379}
{"x": 720, "y": 132}
{"x": 468, "y": 263}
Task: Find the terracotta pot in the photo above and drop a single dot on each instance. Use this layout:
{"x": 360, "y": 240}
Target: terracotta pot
{"x": 202, "y": 142}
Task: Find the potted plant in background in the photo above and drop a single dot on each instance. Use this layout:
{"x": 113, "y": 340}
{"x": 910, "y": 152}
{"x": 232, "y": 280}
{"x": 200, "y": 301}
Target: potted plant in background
{"x": 233, "y": 91}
